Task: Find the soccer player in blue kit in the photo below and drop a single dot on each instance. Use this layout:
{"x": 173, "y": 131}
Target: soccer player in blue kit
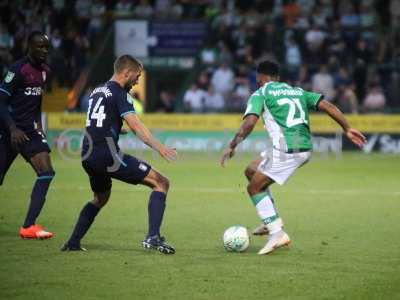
{"x": 102, "y": 159}
{"x": 21, "y": 130}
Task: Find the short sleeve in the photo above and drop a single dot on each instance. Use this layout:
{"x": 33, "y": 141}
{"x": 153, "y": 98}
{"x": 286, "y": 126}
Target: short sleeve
{"x": 11, "y": 81}
{"x": 255, "y": 105}
{"x": 312, "y": 99}
{"x": 125, "y": 105}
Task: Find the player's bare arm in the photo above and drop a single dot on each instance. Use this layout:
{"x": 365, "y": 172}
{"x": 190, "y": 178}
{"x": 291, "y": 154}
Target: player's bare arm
{"x": 245, "y": 129}
{"x": 144, "y": 134}
{"x": 352, "y": 134}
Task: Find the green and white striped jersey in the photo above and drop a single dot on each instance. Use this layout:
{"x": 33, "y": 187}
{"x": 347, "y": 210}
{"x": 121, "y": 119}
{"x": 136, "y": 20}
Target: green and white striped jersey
{"x": 284, "y": 110}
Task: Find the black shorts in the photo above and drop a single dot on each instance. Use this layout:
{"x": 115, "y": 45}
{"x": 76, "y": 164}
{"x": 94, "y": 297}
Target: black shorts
{"x": 36, "y": 144}
{"x": 101, "y": 165}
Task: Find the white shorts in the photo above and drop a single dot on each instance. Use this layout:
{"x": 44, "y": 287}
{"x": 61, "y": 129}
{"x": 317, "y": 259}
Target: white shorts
{"x": 279, "y": 166}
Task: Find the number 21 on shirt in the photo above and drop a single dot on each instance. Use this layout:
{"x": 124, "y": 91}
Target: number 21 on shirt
{"x": 294, "y": 104}
{"x": 97, "y": 113}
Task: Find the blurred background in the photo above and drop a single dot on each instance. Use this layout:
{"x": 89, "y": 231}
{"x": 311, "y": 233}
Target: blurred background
{"x": 200, "y": 55}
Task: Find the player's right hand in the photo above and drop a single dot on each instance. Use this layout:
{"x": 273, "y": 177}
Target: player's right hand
{"x": 169, "y": 154}
{"x": 17, "y": 136}
{"x": 356, "y": 137}
{"x": 228, "y": 153}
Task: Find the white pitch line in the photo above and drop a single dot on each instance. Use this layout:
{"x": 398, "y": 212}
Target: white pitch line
{"x": 217, "y": 190}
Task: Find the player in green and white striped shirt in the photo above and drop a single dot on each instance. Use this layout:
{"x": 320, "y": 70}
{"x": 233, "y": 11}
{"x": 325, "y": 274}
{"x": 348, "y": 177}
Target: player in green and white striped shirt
{"x": 285, "y": 113}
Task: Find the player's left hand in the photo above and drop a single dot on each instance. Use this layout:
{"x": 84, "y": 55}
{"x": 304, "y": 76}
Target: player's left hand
{"x": 169, "y": 154}
{"x": 228, "y": 153}
{"x": 17, "y": 136}
{"x": 356, "y": 137}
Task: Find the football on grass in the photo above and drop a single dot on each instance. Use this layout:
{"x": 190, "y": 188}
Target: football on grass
{"x": 236, "y": 239}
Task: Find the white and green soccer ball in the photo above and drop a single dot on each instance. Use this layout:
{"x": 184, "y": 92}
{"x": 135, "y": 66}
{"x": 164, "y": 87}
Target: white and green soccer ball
{"x": 236, "y": 239}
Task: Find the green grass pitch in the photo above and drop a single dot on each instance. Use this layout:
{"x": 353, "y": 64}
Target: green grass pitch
{"x": 342, "y": 213}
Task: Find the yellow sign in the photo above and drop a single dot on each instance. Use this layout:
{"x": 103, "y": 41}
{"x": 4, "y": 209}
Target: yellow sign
{"x": 220, "y": 122}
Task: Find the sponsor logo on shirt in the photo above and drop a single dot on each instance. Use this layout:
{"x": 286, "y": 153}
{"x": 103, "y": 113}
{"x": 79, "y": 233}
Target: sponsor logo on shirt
{"x": 142, "y": 167}
{"x": 33, "y": 91}
{"x": 9, "y": 77}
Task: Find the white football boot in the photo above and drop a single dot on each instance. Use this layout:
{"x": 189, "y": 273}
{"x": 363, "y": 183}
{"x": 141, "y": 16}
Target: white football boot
{"x": 276, "y": 239}
{"x": 263, "y": 230}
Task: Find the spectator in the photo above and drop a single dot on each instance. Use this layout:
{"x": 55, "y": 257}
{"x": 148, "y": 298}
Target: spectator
{"x": 367, "y": 17}
{"x": 362, "y": 52}
{"x": 167, "y": 103}
{"x": 203, "y": 81}
{"x": 347, "y": 99}
{"x": 161, "y": 8}
{"x": 360, "y": 77}
{"x": 306, "y": 6}
{"x": 241, "y": 92}
{"x": 97, "y": 11}
{"x": 222, "y": 80}
{"x": 342, "y": 77}
{"x": 6, "y": 43}
{"x": 375, "y": 100}
{"x": 80, "y": 52}
{"x": 322, "y": 82}
{"x": 253, "y": 18}
{"x": 213, "y": 101}
{"x": 225, "y": 54}
{"x": 292, "y": 58}
{"x": 123, "y": 8}
{"x": 57, "y": 59}
{"x": 395, "y": 13}
{"x": 193, "y": 99}
{"x": 270, "y": 41}
{"x": 302, "y": 22}
{"x": 82, "y": 8}
{"x": 144, "y": 9}
{"x": 239, "y": 37}
{"x": 303, "y": 79}
{"x": 336, "y": 44}
{"x": 291, "y": 11}
{"x": 315, "y": 38}
{"x": 350, "y": 21}
{"x": 225, "y": 17}
{"x": 176, "y": 10}
{"x": 318, "y": 17}
{"x": 208, "y": 55}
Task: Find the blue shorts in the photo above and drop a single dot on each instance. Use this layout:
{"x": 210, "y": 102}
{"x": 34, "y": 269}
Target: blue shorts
{"x": 36, "y": 144}
{"x": 101, "y": 166}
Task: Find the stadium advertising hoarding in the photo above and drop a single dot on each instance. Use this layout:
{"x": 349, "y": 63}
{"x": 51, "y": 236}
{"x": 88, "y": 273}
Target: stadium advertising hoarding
{"x": 212, "y": 132}
{"x": 217, "y": 122}
{"x": 159, "y": 38}
{"x": 177, "y": 38}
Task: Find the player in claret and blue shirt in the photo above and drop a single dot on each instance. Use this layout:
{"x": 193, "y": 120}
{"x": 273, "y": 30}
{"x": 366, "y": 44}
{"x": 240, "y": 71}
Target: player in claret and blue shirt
{"x": 21, "y": 129}
{"x": 109, "y": 106}
{"x": 284, "y": 110}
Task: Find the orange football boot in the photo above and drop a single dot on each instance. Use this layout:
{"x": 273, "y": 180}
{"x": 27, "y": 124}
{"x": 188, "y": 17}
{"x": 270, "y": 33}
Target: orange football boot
{"x": 35, "y": 232}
